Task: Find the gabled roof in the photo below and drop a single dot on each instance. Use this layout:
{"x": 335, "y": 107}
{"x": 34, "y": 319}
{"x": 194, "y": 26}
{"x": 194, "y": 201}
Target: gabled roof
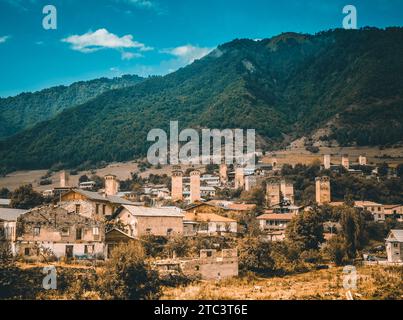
{"x": 141, "y": 211}
{"x": 206, "y": 217}
{"x": 395, "y": 235}
{"x": 7, "y": 214}
{"x": 95, "y": 196}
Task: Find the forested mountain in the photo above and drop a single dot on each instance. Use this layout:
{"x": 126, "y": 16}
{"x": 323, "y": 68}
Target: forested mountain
{"x": 27, "y": 109}
{"x": 288, "y": 85}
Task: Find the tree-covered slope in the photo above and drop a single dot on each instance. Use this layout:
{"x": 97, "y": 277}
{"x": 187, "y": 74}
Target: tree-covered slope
{"x": 290, "y": 84}
{"x": 27, "y": 109}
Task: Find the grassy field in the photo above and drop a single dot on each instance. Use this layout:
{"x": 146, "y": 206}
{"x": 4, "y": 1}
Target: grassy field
{"x": 373, "y": 282}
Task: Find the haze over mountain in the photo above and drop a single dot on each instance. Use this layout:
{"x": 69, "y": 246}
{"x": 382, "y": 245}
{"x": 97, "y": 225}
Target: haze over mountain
{"x": 350, "y": 82}
{"x": 27, "y": 109}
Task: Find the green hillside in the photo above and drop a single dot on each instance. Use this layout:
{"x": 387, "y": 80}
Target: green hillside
{"x": 291, "y": 84}
{"x": 27, "y": 109}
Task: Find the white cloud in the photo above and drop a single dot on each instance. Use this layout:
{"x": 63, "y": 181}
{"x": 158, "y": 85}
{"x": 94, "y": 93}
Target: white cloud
{"x": 4, "y": 39}
{"x": 130, "y": 55}
{"x": 188, "y": 53}
{"x": 101, "y": 39}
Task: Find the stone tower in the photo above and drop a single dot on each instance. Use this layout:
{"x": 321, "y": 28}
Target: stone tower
{"x": 195, "y": 186}
{"x": 177, "y": 184}
{"x": 273, "y": 193}
{"x": 239, "y": 178}
{"x": 111, "y": 185}
{"x": 345, "y": 162}
{"x": 287, "y": 189}
{"x": 326, "y": 161}
{"x": 223, "y": 173}
{"x": 362, "y": 160}
{"x": 322, "y": 190}
{"x": 64, "y": 179}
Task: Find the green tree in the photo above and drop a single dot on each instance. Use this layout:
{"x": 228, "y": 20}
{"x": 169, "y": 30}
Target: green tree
{"x": 127, "y": 276}
{"x": 26, "y": 198}
{"x": 306, "y": 230}
{"x": 5, "y": 193}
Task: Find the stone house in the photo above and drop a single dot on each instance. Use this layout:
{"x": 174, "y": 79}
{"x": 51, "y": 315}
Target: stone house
{"x": 64, "y": 233}
{"x": 211, "y": 265}
{"x": 87, "y": 203}
{"x": 394, "y": 246}
{"x": 8, "y": 227}
{"x": 140, "y": 220}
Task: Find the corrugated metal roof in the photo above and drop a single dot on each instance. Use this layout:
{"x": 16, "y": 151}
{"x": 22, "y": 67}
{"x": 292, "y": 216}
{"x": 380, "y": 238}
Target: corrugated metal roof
{"x": 8, "y": 214}
{"x": 99, "y": 197}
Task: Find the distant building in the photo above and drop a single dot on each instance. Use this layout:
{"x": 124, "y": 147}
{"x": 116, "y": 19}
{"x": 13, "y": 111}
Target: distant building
{"x": 89, "y": 203}
{"x": 239, "y": 178}
{"x": 394, "y": 246}
{"x": 87, "y": 185}
{"x": 322, "y": 188}
{"x": 223, "y": 173}
{"x": 177, "y": 185}
{"x": 326, "y": 161}
{"x": 208, "y": 223}
{"x": 276, "y": 191}
{"x": 274, "y": 224}
{"x": 362, "y": 160}
{"x": 8, "y": 227}
{"x": 5, "y": 203}
{"x": 195, "y": 186}
{"x": 64, "y": 179}
{"x": 345, "y": 162}
{"x": 111, "y": 185}
{"x": 210, "y": 180}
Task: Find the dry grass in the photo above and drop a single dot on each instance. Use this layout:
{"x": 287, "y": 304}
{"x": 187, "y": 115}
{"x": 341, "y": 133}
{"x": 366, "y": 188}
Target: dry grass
{"x": 321, "y": 284}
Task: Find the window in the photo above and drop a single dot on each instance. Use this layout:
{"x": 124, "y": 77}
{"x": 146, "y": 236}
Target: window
{"x": 148, "y": 230}
{"x": 79, "y": 233}
{"x": 169, "y": 231}
{"x": 65, "y": 232}
{"x": 97, "y": 208}
{"x": 209, "y": 253}
{"x": 78, "y": 208}
{"x": 37, "y": 231}
{"x": 88, "y": 249}
{"x": 95, "y": 232}
{"x": 26, "y": 251}
{"x": 395, "y": 245}
{"x": 103, "y": 209}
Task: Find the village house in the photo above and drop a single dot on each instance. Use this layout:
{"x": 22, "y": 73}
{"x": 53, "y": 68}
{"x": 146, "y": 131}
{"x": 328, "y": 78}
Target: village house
{"x": 211, "y": 265}
{"x": 88, "y": 203}
{"x": 208, "y": 223}
{"x": 115, "y": 237}
{"x": 8, "y": 228}
{"x": 140, "y": 221}
{"x": 5, "y": 203}
{"x": 394, "y": 246}
{"x": 394, "y": 210}
{"x": 64, "y": 233}
{"x": 274, "y": 225}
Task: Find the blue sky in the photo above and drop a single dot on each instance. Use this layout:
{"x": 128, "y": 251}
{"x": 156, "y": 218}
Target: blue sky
{"x": 96, "y": 38}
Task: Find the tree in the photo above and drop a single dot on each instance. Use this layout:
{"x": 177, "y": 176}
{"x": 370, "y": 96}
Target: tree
{"x": 26, "y": 198}
{"x": 127, "y": 276}
{"x": 353, "y": 230}
{"x": 306, "y": 230}
{"x": 5, "y": 193}
{"x": 335, "y": 249}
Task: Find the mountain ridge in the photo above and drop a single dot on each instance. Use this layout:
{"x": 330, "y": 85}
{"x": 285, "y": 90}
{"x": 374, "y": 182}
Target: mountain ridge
{"x": 292, "y": 90}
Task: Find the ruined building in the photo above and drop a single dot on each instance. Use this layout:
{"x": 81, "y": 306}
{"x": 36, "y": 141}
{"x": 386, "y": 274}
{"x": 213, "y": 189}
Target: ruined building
{"x": 322, "y": 190}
